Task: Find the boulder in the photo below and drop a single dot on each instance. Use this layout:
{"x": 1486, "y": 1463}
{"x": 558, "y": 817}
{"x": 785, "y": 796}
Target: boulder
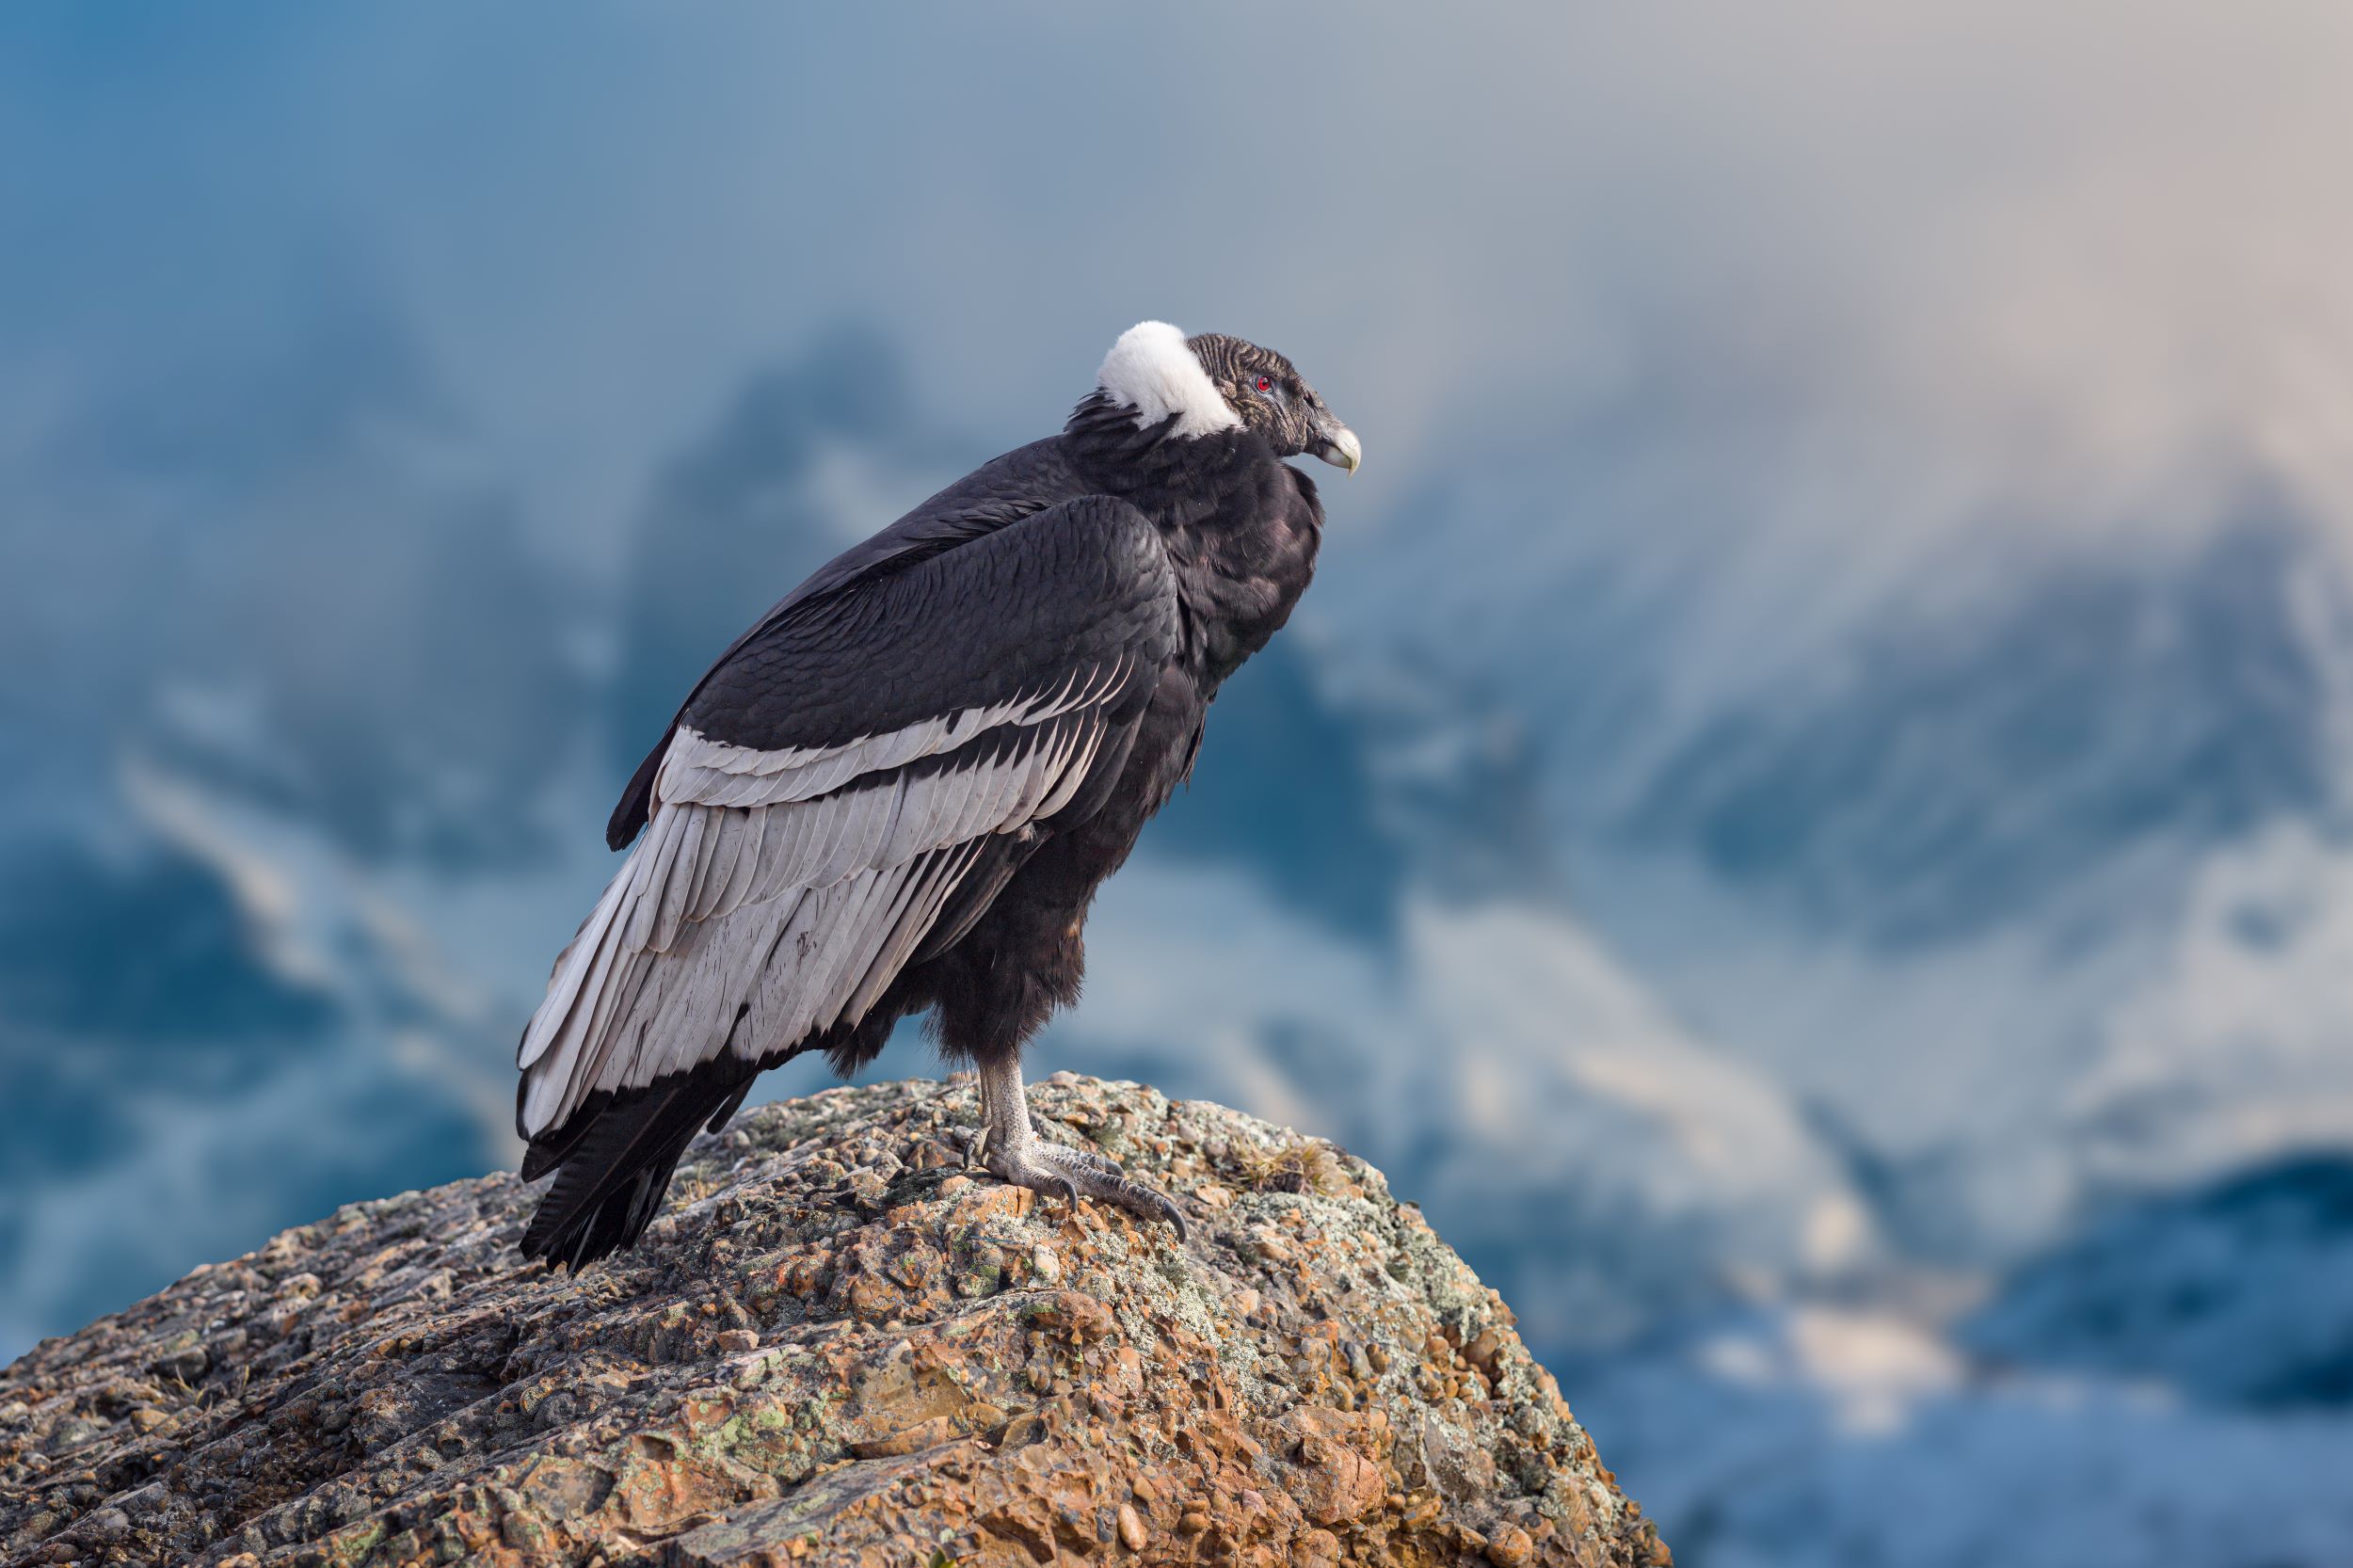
{"x": 836, "y": 1345}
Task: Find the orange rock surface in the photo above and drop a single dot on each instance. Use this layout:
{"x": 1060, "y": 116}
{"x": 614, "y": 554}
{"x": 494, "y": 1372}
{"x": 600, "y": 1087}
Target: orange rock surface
{"x": 836, "y": 1347}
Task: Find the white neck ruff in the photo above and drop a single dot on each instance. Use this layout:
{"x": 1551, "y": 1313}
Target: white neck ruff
{"x": 1150, "y": 370}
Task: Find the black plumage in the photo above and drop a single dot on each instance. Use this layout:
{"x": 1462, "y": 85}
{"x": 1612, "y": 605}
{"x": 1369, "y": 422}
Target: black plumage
{"x": 898, "y": 791}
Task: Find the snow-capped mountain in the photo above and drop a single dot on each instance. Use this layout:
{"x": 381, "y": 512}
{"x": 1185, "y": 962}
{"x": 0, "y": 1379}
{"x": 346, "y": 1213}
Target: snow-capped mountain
{"x": 2231, "y": 1293}
{"x": 1961, "y": 841}
{"x": 1824, "y": 1436}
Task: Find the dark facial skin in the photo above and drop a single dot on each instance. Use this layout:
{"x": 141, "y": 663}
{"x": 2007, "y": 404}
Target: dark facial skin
{"x": 1273, "y": 399}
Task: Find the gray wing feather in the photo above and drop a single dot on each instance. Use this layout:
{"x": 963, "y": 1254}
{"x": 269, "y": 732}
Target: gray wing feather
{"x": 678, "y": 880}
{"x": 744, "y": 869}
{"x": 776, "y": 891}
{"x": 918, "y": 910}
{"x": 715, "y": 772}
{"x": 745, "y": 927}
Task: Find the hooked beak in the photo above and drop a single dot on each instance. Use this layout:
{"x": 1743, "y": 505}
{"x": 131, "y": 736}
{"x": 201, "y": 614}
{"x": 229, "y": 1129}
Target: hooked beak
{"x": 1339, "y": 447}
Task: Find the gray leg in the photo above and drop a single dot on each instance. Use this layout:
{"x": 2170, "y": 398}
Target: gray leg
{"x": 1010, "y": 1148}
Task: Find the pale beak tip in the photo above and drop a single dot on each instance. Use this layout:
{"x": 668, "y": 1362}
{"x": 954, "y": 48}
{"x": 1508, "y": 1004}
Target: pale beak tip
{"x": 1343, "y": 450}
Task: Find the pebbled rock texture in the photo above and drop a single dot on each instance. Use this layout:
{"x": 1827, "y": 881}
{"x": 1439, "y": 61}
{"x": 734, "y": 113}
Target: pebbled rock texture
{"x": 835, "y": 1347}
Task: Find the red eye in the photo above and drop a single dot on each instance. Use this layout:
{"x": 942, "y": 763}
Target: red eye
{"x": 1265, "y": 385}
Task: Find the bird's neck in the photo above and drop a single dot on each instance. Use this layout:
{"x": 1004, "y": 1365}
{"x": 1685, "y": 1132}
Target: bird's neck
{"x": 1241, "y": 528}
{"x": 1175, "y": 480}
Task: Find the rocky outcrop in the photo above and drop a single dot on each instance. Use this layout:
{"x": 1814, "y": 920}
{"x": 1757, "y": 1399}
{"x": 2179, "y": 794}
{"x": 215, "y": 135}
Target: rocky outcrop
{"x": 835, "y": 1347}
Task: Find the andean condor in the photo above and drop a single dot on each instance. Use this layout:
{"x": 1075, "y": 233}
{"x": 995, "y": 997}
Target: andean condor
{"x": 900, "y": 789}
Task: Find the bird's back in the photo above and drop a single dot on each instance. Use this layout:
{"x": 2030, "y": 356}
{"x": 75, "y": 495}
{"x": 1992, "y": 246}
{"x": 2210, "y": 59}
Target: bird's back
{"x": 1001, "y": 491}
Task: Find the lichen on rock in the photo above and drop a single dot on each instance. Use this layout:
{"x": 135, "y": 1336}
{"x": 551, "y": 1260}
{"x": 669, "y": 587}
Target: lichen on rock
{"x": 836, "y": 1347}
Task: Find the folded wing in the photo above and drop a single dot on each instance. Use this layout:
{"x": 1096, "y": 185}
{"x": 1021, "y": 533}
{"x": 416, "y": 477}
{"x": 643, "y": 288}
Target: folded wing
{"x": 832, "y": 786}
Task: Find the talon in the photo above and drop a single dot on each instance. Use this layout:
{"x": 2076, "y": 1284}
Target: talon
{"x": 1170, "y": 1212}
{"x": 1069, "y": 1193}
{"x": 976, "y": 1150}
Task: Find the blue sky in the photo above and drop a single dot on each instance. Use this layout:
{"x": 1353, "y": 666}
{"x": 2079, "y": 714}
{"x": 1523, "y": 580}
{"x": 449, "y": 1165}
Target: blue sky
{"x": 2059, "y": 251}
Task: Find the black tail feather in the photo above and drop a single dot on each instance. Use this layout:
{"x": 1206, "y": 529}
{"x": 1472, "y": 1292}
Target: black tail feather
{"x": 549, "y": 1150}
{"x": 615, "y": 1170}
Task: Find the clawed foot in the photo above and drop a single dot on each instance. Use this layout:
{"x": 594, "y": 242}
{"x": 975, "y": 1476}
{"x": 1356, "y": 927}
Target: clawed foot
{"x": 1056, "y": 1170}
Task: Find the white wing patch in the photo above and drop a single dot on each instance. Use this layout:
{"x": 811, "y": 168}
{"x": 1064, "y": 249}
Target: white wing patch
{"x": 775, "y": 894}
{"x": 715, "y": 772}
